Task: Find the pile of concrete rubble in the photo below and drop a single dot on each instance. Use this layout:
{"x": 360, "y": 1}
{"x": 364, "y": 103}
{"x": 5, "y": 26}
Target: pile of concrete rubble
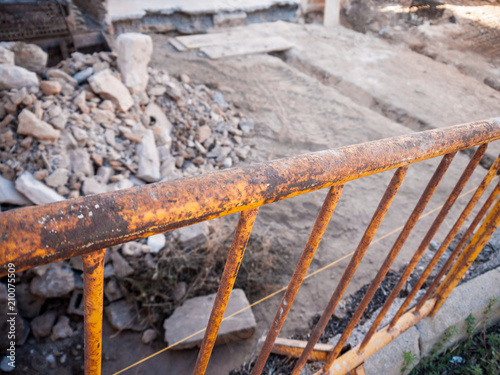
{"x": 94, "y": 124}
{"x": 103, "y": 122}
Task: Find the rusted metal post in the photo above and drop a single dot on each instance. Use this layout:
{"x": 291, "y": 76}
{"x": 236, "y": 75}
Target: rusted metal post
{"x": 486, "y": 206}
{"x": 233, "y": 262}
{"x": 403, "y": 236}
{"x": 305, "y": 260}
{"x": 372, "y": 228}
{"x": 451, "y": 235}
{"x": 93, "y": 286}
{"x": 437, "y": 223}
{"x": 479, "y": 240}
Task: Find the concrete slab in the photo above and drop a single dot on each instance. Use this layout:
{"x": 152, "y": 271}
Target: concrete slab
{"x": 132, "y": 9}
{"x": 194, "y": 314}
{"x": 473, "y": 298}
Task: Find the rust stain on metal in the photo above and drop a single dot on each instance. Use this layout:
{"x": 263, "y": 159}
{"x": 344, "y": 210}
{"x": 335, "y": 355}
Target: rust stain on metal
{"x": 93, "y": 286}
{"x": 486, "y": 206}
{"x": 304, "y": 262}
{"x": 233, "y": 262}
{"x": 462, "y": 181}
{"x": 33, "y": 236}
{"x": 372, "y": 228}
{"x": 403, "y": 236}
{"x": 470, "y": 253}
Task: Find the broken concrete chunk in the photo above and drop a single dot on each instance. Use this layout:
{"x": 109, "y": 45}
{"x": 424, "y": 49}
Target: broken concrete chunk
{"x": 6, "y": 56}
{"x": 157, "y": 242}
{"x": 58, "y": 281}
{"x": 120, "y": 265}
{"x": 29, "y": 124}
{"x": 156, "y": 113}
{"x": 50, "y": 87}
{"x": 112, "y": 291}
{"x": 134, "y": 52}
{"x": 109, "y": 87}
{"x": 194, "y": 314}
{"x": 122, "y": 315}
{"x": 9, "y": 194}
{"x": 149, "y": 162}
{"x": 62, "y": 329}
{"x": 80, "y": 162}
{"x": 91, "y": 186}
{"x": 132, "y": 248}
{"x": 57, "y": 178}
{"x": 42, "y": 325}
{"x": 29, "y": 56}
{"x": 193, "y": 236}
{"x": 36, "y": 191}
{"x": 15, "y": 77}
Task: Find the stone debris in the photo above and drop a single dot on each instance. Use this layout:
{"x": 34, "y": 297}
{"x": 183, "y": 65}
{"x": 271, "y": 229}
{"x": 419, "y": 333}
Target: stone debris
{"x": 85, "y": 121}
{"x": 122, "y": 315}
{"x": 134, "y": 52}
{"x": 42, "y": 325}
{"x": 148, "y": 336}
{"x": 15, "y": 77}
{"x": 112, "y": 291}
{"x": 156, "y": 242}
{"x": 194, "y": 314}
{"x": 120, "y": 265}
{"x": 9, "y": 194}
{"x": 62, "y": 329}
{"x": 192, "y": 236}
{"x": 29, "y": 305}
{"x": 57, "y": 281}
{"x": 36, "y": 191}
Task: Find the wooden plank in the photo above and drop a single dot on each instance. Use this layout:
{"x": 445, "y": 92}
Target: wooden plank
{"x": 250, "y": 46}
{"x": 294, "y": 348}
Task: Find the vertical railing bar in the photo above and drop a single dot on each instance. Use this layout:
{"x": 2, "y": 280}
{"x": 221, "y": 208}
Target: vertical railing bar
{"x": 459, "y": 246}
{"x": 479, "y": 240}
{"x": 462, "y": 181}
{"x": 233, "y": 262}
{"x": 93, "y": 287}
{"x": 304, "y": 262}
{"x": 363, "y": 245}
{"x": 403, "y": 236}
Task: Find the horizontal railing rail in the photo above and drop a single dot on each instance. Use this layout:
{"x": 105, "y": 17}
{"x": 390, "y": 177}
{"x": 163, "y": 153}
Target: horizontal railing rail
{"x": 34, "y": 236}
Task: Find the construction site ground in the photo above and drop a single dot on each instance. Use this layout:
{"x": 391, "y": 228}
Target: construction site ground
{"x": 335, "y": 87}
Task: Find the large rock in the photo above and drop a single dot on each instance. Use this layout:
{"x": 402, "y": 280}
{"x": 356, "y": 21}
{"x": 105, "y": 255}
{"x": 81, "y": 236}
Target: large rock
{"x": 29, "y": 56}
{"x": 36, "y": 191}
{"x": 134, "y": 52}
{"x": 9, "y": 194}
{"x": 108, "y": 86}
{"x": 57, "y": 281}
{"x": 149, "y": 162}
{"x": 29, "y": 124}
{"x": 15, "y": 77}
{"x": 193, "y": 316}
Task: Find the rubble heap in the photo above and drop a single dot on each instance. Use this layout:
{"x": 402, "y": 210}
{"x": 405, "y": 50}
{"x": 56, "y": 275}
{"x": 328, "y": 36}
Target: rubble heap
{"x": 103, "y": 122}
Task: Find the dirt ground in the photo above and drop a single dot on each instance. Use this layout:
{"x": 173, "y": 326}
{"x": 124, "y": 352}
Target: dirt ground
{"x": 296, "y": 113}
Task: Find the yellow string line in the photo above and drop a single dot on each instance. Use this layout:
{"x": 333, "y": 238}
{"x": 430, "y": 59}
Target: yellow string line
{"x": 284, "y": 288}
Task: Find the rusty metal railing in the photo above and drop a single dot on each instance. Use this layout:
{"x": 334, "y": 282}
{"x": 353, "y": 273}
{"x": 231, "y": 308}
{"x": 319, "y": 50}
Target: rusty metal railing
{"x": 34, "y": 236}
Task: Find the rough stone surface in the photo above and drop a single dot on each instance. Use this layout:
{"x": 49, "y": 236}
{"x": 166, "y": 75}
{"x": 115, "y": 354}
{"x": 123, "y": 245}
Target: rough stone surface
{"x": 389, "y": 359}
{"x": 112, "y": 291}
{"x": 120, "y": 265}
{"x": 29, "y": 124}
{"x": 6, "y": 56}
{"x": 192, "y": 236}
{"x": 15, "y": 77}
{"x": 62, "y": 329}
{"x": 9, "y": 194}
{"x": 108, "y": 86}
{"x": 134, "y": 52}
{"x": 148, "y": 336}
{"x": 42, "y": 325}
{"x": 193, "y": 315}
{"x": 57, "y": 281}
{"x": 122, "y": 315}
{"x": 30, "y": 56}
{"x": 157, "y": 242}
{"x": 36, "y": 191}
{"x": 50, "y": 87}
{"x": 471, "y": 297}
{"x": 149, "y": 162}
{"x": 29, "y": 305}
{"x": 57, "y": 178}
